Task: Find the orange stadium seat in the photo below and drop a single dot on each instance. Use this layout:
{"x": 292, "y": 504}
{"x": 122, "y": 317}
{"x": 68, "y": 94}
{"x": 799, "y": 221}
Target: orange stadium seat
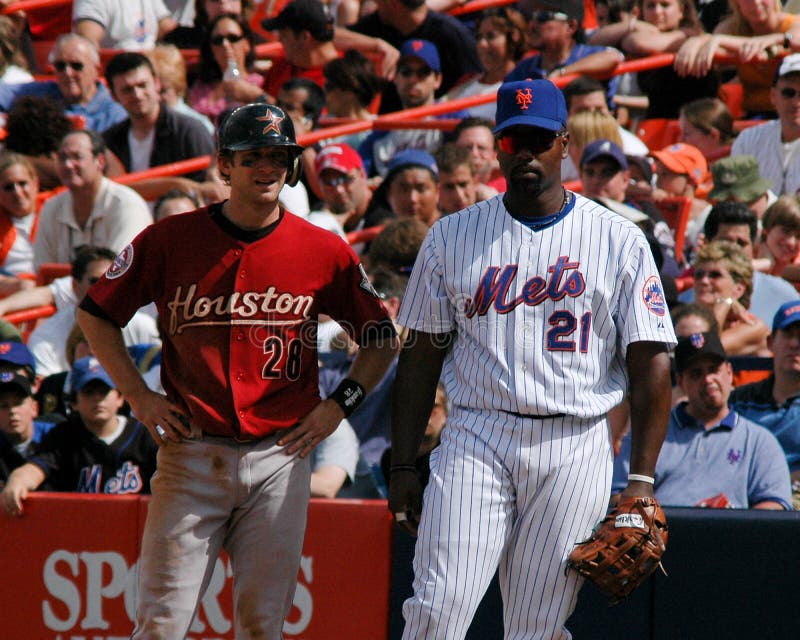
{"x": 676, "y": 212}
{"x": 658, "y": 133}
{"x": 732, "y": 94}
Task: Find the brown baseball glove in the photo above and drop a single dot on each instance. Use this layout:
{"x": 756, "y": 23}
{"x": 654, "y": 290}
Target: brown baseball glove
{"x": 624, "y": 548}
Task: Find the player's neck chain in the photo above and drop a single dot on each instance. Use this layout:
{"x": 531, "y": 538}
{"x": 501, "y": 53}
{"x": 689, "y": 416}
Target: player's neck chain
{"x": 565, "y": 201}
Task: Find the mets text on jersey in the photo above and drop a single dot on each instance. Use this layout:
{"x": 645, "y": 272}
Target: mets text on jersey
{"x": 493, "y": 290}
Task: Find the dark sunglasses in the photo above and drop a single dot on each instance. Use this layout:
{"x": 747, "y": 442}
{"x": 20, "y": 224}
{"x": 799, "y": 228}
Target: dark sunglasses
{"x": 10, "y": 187}
{"x": 534, "y": 143}
{"x": 61, "y": 65}
{"x": 408, "y": 72}
{"x": 93, "y": 280}
{"x": 335, "y": 181}
{"x": 699, "y": 274}
{"x": 789, "y": 93}
{"x": 233, "y": 38}
{"x": 546, "y": 16}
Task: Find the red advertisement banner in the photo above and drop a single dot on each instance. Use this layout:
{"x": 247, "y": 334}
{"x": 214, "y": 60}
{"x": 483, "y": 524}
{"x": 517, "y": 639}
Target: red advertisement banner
{"x": 68, "y": 572}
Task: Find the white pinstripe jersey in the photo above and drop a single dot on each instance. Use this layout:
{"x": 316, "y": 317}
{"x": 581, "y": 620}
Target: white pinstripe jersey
{"x": 543, "y": 318}
{"x": 764, "y": 142}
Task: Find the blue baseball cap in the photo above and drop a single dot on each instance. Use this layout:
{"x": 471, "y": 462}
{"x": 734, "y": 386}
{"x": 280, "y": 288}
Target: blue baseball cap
{"x": 530, "y": 103}
{"x": 788, "y": 313}
{"x": 425, "y": 50}
{"x": 603, "y": 148}
{"x": 87, "y": 370}
{"x": 16, "y": 353}
{"x": 15, "y": 381}
{"x": 411, "y": 158}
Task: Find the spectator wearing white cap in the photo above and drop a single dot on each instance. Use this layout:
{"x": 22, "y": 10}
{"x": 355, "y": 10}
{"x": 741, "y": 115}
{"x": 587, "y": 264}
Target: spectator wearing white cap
{"x": 776, "y": 143}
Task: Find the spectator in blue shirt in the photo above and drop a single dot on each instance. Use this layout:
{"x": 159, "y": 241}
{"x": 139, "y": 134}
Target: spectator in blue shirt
{"x": 556, "y": 32}
{"x": 712, "y": 457}
{"x": 76, "y": 89}
{"x": 774, "y": 403}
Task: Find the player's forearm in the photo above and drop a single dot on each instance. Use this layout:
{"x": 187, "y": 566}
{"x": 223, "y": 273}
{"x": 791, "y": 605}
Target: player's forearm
{"x": 414, "y": 392}
{"x": 648, "y": 369}
{"x": 108, "y": 346}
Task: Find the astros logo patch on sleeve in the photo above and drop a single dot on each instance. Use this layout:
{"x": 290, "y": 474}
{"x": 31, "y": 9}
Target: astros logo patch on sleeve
{"x": 653, "y": 296}
{"x": 121, "y": 263}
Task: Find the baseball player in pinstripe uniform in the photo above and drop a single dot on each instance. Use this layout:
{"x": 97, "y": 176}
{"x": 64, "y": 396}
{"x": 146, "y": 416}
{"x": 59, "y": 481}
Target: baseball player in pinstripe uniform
{"x": 238, "y": 295}
{"x": 540, "y": 307}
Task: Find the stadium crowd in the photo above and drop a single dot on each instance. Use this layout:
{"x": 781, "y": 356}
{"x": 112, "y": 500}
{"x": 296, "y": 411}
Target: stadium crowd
{"x": 702, "y": 152}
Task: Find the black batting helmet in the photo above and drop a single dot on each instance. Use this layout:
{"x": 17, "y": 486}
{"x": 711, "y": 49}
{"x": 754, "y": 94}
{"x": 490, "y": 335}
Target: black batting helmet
{"x": 257, "y": 125}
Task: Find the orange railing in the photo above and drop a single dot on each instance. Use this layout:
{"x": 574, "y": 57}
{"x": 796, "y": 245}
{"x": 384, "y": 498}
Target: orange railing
{"x": 33, "y": 5}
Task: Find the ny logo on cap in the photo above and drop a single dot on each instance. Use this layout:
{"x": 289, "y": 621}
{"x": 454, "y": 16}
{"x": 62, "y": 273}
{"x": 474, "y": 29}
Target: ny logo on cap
{"x": 697, "y": 340}
{"x": 273, "y": 120}
{"x": 524, "y": 98}
{"x": 417, "y": 45}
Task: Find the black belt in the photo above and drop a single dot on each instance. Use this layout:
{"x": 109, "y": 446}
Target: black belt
{"x": 535, "y": 417}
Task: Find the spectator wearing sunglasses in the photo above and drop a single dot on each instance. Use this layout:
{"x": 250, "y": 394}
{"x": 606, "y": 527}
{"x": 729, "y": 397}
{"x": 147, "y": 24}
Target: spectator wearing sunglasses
{"x": 76, "y": 88}
{"x": 419, "y": 75}
{"x": 723, "y": 283}
{"x": 776, "y": 143}
{"x": 397, "y": 21}
{"x": 555, "y": 30}
{"x": 228, "y": 46}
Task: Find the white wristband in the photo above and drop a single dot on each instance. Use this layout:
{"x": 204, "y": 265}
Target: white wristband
{"x": 638, "y": 477}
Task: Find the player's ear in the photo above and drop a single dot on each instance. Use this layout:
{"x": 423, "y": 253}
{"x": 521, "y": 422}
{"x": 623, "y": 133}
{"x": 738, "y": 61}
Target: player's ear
{"x": 223, "y": 166}
{"x": 564, "y": 145}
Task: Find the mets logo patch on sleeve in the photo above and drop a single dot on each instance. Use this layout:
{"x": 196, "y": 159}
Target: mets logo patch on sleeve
{"x": 121, "y": 263}
{"x": 653, "y": 296}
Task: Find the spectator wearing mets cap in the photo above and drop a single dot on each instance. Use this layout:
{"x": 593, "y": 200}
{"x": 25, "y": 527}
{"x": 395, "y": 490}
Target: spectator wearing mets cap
{"x": 556, "y": 32}
{"x": 345, "y": 191}
{"x": 775, "y": 143}
{"x": 419, "y": 75}
{"x": 712, "y": 456}
{"x": 95, "y": 451}
{"x": 774, "y": 403}
{"x": 15, "y": 357}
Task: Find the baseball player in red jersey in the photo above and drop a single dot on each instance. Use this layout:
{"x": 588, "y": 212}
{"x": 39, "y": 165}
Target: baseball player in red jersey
{"x": 238, "y": 286}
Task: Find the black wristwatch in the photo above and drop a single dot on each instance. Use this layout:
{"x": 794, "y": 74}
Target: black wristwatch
{"x": 787, "y": 40}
